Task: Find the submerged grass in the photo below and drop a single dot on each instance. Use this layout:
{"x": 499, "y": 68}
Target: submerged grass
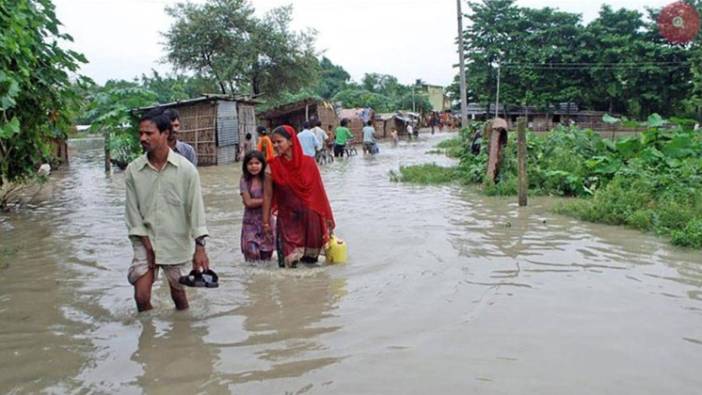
{"x": 426, "y": 174}
{"x": 651, "y": 182}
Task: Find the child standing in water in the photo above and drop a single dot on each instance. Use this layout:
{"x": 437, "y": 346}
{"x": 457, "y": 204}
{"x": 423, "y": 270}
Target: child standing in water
{"x": 255, "y": 244}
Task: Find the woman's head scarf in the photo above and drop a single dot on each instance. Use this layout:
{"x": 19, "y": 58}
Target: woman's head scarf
{"x": 301, "y": 175}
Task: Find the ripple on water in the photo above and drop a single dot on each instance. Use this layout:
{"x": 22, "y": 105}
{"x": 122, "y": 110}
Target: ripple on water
{"x": 439, "y": 277}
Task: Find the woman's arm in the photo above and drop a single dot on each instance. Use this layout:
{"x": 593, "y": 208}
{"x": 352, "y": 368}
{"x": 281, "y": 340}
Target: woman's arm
{"x": 267, "y": 199}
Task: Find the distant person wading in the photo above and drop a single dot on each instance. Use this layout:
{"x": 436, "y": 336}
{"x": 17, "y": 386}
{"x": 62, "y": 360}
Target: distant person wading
{"x": 343, "y": 135}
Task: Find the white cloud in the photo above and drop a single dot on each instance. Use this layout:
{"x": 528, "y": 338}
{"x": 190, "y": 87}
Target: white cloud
{"x": 407, "y": 38}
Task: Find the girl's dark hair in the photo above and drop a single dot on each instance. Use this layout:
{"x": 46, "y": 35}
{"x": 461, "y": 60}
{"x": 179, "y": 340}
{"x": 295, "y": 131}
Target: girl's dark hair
{"x": 344, "y": 122}
{"x": 282, "y": 132}
{"x": 247, "y": 158}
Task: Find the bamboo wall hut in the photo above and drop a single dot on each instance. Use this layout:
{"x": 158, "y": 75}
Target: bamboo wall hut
{"x": 295, "y": 113}
{"x": 214, "y": 125}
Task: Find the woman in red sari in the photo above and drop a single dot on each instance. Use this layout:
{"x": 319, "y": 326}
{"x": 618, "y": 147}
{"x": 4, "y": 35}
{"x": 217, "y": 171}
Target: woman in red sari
{"x": 293, "y": 191}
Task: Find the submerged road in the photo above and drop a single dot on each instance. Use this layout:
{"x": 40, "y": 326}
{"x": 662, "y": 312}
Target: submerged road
{"x": 446, "y": 291}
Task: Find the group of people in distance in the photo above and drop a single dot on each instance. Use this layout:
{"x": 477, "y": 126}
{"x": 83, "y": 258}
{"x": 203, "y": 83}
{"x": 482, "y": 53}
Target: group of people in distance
{"x": 286, "y": 208}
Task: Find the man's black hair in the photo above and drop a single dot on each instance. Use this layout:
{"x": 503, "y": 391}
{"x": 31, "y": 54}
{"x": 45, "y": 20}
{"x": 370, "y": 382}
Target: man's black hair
{"x": 157, "y": 116}
{"x": 260, "y": 129}
{"x": 172, "y": 114}
{"x": 369, "y": 123}
{"x": 318, "y": 123}
{"x": 344, "y": 122}
{"x": 306, "y": 125}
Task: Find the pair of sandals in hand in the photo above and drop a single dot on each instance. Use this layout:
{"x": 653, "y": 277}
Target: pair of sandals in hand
{"x": 198, "y": 279}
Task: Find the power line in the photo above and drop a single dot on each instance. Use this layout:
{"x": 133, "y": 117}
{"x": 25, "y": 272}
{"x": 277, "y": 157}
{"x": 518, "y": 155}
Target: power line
{"x": 592, "y": 63}
{"x": 595, "y": 66}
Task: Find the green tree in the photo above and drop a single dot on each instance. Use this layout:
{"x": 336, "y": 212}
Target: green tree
{"x": 110, "y": 110}
{"x": 178, "y": 86}
{"x": 37, "y": 97}
{"x": 332, "y": 79}
{"x": 353, "y": 97}
{"x": 224, "y": 40}
{"x": 617, "y": 63}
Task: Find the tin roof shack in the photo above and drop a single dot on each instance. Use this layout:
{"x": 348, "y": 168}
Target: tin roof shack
{"x": 214, "y": 125}
{"x": 397, "y": 121}
{"x": 295, "y": 113}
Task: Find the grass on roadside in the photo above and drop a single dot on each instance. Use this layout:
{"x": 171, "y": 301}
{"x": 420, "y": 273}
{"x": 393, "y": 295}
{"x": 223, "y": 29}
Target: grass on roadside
{"x": 425, "y": 174}
{"x": 651, "y": 182}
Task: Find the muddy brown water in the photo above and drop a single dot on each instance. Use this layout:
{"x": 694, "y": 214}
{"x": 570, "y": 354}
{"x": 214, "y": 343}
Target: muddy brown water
{"x": 446, "y": 291}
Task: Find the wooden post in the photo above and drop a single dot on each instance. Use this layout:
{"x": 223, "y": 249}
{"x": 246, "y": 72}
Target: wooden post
{"x": 108, "y": 157}
{"x": 307, "y": 112}
{"x": 522, "y": 159}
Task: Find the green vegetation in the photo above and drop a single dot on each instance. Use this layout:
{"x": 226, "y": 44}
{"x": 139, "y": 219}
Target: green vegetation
{"x": 241, "y": 52}
{"x": 427, "y": 174}
{"x": 651, "y": 182}
{"x": 383, "y": 93}
{"x": 453, "y": 148}
{"x": 37, "y": 98}
{"x": 618, "y": 62}
{"x": 110, "y": 111}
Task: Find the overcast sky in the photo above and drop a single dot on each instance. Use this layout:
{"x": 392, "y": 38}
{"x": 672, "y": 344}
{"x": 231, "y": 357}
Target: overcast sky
{"x": 409, "y": 39}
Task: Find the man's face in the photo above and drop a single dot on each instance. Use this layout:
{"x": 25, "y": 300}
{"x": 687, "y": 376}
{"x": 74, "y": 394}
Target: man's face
{"x": 149, "y": 136}
{"x": 175, "y": 126}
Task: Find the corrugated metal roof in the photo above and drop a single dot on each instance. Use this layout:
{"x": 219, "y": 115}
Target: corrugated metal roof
{"x": 204, "y": 98}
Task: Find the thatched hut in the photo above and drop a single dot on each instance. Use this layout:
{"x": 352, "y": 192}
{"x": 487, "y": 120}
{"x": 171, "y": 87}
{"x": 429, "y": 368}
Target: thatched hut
{"x": 214, "y": 125}
{"x": 295, "y": 113}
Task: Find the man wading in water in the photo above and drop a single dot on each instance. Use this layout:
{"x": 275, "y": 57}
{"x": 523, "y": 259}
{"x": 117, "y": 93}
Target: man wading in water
{"x": 164, "y": 214}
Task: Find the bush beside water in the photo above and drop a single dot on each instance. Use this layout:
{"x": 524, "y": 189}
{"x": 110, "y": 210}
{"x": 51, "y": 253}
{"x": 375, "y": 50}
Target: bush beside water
{"x": 651, "y": 182}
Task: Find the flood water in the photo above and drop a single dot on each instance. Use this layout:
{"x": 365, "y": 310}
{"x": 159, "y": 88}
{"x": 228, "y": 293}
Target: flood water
{"x": 445, "y": 292}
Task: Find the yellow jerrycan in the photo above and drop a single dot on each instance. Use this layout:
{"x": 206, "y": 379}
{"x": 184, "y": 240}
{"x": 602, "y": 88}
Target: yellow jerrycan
{"x": 337, "y": 251}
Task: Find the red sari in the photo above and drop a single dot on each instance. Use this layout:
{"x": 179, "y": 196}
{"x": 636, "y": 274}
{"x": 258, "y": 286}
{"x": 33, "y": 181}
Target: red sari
{"x": 304, "y": 216}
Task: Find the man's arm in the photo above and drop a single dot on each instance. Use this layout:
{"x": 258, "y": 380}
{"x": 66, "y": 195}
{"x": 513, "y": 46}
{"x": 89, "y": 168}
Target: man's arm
{"x": 132, "y": 215}
{"x": 134, "y": 219}
{"x": 198, "y": 227}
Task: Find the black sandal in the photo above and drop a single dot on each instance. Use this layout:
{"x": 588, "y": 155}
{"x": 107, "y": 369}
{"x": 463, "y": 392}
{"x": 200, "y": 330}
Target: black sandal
{"x": 198, "y": 279}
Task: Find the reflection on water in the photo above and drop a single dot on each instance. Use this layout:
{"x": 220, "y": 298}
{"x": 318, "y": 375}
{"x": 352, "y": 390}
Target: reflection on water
{"x": 446, "y": 291}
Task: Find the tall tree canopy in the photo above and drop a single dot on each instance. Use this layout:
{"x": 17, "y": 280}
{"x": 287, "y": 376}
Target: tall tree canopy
{"x": 332, "y": 79}
{"x": 36, "y": 94}
{"x": 223, "y": 39}
{"x": 617, "y": 62}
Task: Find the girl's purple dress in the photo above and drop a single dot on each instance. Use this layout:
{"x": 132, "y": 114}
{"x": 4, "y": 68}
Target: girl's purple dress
{"x": 254, "y": 245}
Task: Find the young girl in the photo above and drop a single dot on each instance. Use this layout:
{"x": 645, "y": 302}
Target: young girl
{"x": 256, "y": 245}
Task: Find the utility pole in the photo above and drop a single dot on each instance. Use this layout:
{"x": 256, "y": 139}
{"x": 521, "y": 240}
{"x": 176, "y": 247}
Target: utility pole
{"x": 413, "y": 104}
{"x": 497, "y": 99}
{"x": 462, "y": 67}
